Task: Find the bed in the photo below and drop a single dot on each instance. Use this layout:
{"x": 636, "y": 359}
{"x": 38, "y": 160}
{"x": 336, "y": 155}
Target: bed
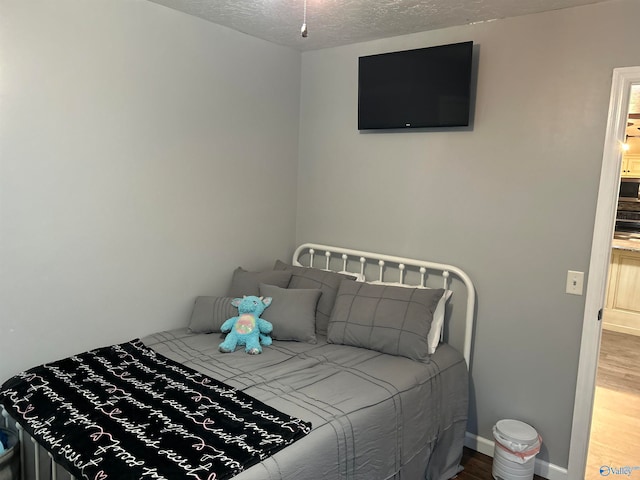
{"x": 375, "y": 391}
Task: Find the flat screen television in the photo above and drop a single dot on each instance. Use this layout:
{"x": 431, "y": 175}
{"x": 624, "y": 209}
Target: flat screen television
{"x": 421, "y": 88}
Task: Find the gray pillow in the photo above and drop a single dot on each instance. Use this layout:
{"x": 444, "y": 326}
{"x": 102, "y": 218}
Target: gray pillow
{"x": 248, "y": 283}
{"x": 327, "y": 282}
{"x": 292, "y": 312}
{"x": 209, "y": 313}
{"x": 387, "y": 319}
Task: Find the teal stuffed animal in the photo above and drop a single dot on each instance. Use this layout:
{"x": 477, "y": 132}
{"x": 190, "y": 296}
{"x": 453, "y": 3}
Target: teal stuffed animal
{"x": 247, "y": 328}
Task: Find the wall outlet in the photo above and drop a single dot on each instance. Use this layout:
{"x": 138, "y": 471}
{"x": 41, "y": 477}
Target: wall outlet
{"x": 575, "y": 282}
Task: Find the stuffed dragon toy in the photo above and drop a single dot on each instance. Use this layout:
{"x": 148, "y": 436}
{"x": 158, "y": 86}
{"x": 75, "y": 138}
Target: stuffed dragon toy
{"x": 247, "y": 328}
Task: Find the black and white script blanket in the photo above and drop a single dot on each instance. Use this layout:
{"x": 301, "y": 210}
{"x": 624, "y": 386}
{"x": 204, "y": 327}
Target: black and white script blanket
{"x": 126, "y": 412}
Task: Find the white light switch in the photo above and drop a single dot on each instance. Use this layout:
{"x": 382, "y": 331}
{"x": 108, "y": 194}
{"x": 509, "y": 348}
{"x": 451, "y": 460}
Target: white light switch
{"x": 575, "y": 282}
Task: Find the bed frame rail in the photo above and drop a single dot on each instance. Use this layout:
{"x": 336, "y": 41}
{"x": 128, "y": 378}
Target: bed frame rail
{"x": 385, "y": 268}
{"x": 35, "y": 462}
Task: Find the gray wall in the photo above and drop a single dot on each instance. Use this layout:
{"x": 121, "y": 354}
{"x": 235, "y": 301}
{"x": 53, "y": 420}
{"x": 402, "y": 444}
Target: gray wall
{"x": 511, "y": 201}
{"x": 144, "y": 155}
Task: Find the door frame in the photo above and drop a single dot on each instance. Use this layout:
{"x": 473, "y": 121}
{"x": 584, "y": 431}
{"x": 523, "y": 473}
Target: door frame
{"x": 603, "y": 230}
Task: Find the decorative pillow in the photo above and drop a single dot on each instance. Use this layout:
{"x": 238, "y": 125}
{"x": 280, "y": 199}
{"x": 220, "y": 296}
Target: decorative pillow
{"x": 387, "y": 319}
{"x": 292, "y": 312}
{"x": 328, "y": 282}
{"x": 435, "y": 332}
{"x": 248, "y": 283}
{"x": 209, "y": 313}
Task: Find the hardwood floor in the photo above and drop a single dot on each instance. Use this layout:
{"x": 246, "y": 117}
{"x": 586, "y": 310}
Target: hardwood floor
{"x": 619, "y": 362}
{"x": 615, "y": 426}
{"x": 477, "y": 466}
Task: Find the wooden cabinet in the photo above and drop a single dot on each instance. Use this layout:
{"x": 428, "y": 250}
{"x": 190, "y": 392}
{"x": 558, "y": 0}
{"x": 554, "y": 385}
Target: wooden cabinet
{"x": 622, "y": 310}
{"x": 631, "y": 165}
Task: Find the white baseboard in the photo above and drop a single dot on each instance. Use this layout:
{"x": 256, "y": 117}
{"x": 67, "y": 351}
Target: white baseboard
{"x": 542, "y": 468}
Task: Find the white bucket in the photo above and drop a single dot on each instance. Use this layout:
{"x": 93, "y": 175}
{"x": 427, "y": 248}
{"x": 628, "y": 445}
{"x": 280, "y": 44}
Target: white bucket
{"x": 516, "y": 447}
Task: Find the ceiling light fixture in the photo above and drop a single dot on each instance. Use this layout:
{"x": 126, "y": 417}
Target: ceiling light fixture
{"x": 303, "y": 29}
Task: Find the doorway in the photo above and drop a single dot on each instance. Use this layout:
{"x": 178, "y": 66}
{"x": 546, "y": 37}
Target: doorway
{"x": 623, "y": 79}
{"x": 614, "y": 443}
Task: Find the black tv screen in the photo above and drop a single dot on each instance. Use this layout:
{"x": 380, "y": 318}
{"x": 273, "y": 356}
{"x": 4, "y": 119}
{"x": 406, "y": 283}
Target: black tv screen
{"x": 422, "y": 88}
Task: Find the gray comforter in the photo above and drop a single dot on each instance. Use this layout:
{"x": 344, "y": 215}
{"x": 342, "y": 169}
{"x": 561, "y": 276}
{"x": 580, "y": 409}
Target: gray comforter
{"x": 374, "y": 416}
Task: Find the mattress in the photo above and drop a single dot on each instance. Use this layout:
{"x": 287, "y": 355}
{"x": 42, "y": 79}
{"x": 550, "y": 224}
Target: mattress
{"x": 373, "y": 415}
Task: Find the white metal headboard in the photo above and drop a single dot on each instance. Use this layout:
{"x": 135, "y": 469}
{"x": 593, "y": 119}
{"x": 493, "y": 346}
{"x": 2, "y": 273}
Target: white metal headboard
{"x": 401, "y": 265}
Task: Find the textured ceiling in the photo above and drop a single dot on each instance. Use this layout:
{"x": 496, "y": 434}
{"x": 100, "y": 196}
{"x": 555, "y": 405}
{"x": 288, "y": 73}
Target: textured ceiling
{"x": 340, "y": 22}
